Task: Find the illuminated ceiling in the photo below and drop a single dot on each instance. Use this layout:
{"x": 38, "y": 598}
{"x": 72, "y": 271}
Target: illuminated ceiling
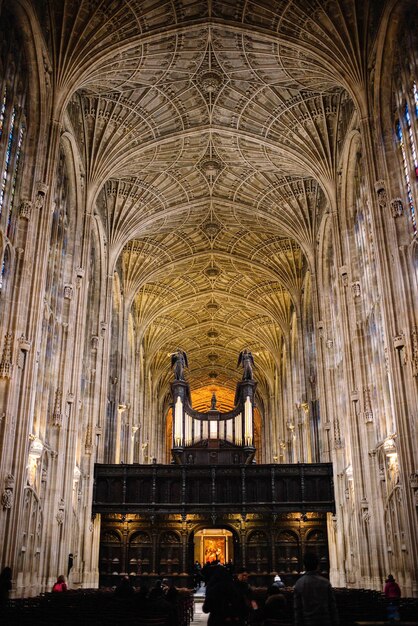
{"x": 211, "y": 134}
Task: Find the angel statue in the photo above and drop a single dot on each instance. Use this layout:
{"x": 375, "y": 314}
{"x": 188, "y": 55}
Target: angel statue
{"x": 179, "y": 362}
{"x": 246, "y": 359}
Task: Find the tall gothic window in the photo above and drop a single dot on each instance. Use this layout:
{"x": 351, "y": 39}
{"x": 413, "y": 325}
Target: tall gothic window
{"x": 12, "y": 123}
{"x": 406, "y": 132}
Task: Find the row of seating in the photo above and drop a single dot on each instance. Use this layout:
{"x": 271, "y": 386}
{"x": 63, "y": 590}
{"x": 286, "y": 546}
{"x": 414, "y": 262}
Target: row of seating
{"x": 99, "y": 608}
{"x": 95, "y": 608}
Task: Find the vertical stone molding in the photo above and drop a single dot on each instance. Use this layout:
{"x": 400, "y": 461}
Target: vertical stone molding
{"x": 6, "y": 359}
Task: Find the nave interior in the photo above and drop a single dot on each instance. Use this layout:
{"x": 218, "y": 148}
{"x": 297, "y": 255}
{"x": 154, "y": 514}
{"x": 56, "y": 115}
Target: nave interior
{"x": 234, "y": 183}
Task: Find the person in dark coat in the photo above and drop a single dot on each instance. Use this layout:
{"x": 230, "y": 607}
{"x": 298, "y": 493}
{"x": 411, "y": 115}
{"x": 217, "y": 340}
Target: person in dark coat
{"x": 5, "y": 585}
{"x": 224, "y": 601}
{"x": 313, "y": 598}
{"x": 275, "y": 604}
{"x": 124, "y": 589}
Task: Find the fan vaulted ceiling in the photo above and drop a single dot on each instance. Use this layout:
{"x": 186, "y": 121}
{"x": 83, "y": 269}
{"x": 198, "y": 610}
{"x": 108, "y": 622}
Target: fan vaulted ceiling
{"x": 211, "y": 134}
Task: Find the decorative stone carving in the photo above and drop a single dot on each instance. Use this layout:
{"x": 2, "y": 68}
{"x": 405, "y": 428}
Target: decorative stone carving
{"x": 212, "y": 271}
{"x": 47, "y": 67}
{"x": 414, "y": 342}
{"x": 396, "y": 206}
{"x": 68, "y": 292}
{"x": 356, "y": 289}
{"x": 57, "y": 414}
{"x": 6, "y": 359}
{"x": 320, "y": 326}
{"x": 24, "y": 344}
{"x": 337, "y": 433}
{"x": 25, "y": 209}
{"x": 381, "y": 194}
{"x": 103, "y": 328}
{"x": 94, "y": 342}
{"x": 344, "y": 275}
{"x": 399, "y": 341}
{"x": 7, "y": 499}
{"x": 210, "y": 81}
{"x": 61, "y": 513}
{"x": 400, "y": 345}
{"x": 88, "y": 445}
{"x": 40, "y": 196}
{"x": 211, "y": 228}
{"x": 368, "y": 413}
{"x": 212, "y": 307}
{"x": 7, "y": 495}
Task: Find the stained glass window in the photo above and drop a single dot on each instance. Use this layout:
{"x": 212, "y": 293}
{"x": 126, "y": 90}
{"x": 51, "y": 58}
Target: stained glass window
{"x": 415, "y": 92}
{"x": 15, "y": 174}
{"x": 3, "y": 269}
{"x": 12, "y": 122}
{"x": 2, "y": 111}
{"x": 405, "y": 164}
{"x": 411, "y": 139}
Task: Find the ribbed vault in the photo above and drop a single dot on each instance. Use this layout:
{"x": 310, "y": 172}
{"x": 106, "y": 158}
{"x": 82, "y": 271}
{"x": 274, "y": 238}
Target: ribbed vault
{"x": 212, "y": 133}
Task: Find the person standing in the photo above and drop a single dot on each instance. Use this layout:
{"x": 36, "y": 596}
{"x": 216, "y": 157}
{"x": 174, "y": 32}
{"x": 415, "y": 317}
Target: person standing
{"x": 5, "y": 585}
{"x": 60, "y": 585}
{"x": 224, "y": 600}
{"x": 392, "y": 593}
{"x": 313, "y": 598}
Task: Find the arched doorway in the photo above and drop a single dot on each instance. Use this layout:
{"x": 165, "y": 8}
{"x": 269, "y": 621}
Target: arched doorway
{"x": 213, "y": 544}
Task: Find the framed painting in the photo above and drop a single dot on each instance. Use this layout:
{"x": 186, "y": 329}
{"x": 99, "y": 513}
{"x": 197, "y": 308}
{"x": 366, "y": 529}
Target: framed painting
{"x": 214, "y": 549}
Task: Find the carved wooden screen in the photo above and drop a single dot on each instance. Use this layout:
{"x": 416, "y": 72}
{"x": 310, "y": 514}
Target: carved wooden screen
{"x": 258, "y": 552}
{"x": 169, "y": 553}
{"x": 288, "y": 552}
{"x": 140, "y": 554}
{"x": 110, "y": 558}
